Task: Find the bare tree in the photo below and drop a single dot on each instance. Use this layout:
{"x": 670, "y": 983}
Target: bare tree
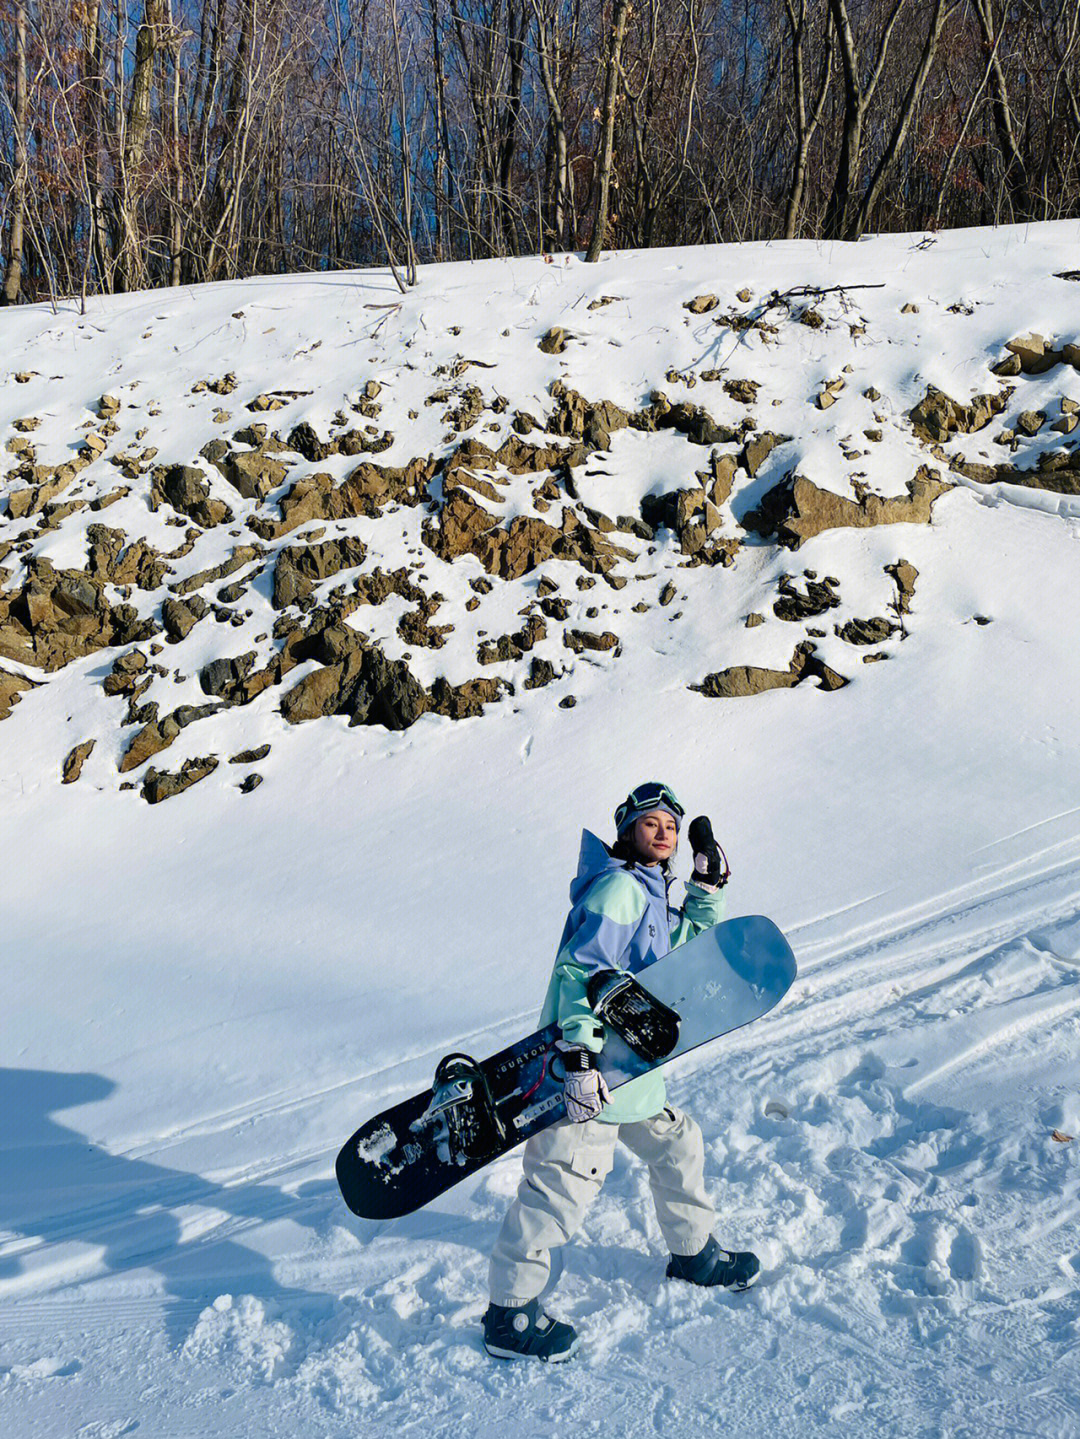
{"x": 605, "y": 150}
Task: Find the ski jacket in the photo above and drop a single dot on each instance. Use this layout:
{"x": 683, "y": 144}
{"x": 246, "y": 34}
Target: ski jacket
{"x": 619, "y": 919}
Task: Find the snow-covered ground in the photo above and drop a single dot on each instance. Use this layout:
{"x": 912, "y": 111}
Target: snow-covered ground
{"x": 203, "y": 998}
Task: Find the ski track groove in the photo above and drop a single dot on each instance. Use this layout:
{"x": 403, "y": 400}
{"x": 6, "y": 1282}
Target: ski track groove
{"x": 797, "y": 1024}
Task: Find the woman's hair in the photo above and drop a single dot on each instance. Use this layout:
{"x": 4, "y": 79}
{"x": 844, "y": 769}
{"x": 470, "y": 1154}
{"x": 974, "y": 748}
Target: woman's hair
{"x": 623, "y": 849}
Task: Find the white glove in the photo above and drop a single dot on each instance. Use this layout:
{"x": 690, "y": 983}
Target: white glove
{"x": 583, "y": 1088}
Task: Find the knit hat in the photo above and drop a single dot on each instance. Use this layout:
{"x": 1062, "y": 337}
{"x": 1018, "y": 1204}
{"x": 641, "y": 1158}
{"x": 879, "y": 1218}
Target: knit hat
{"x": 647, "y": 799}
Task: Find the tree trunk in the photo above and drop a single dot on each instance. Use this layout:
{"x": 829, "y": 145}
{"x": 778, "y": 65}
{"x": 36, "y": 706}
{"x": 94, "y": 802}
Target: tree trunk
{"x": 607, "y": 128}
{"x": 12, "y": 286}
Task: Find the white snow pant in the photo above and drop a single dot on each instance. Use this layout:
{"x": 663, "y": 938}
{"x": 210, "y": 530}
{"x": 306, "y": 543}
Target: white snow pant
{"x": 564, "y": 1168}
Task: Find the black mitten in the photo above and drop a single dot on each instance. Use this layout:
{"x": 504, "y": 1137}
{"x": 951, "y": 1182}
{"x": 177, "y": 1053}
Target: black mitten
{"x": 710, "y": 862}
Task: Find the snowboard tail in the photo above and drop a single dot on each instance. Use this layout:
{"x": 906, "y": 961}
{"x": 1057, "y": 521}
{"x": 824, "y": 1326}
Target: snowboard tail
{"x": 476, "y": 1111}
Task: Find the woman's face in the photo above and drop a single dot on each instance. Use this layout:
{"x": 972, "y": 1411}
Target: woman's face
{"x": 655, "y": 837}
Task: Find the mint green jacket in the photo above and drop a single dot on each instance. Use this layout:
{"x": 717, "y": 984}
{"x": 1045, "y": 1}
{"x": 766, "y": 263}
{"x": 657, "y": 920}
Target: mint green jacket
{"x": 619, "y": 919}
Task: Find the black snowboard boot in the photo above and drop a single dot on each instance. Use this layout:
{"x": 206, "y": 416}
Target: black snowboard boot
{"x": 715, "y": 1266}
{"x": 527, "y": 1333}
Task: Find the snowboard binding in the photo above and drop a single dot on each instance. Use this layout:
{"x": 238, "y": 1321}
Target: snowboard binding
{"x": 647, "y": 1026}
{"x": 461, "y": 1099}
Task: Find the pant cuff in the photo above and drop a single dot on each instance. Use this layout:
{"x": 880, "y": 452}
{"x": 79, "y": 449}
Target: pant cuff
{"x": 687, "y": 1248}
{"x": 511, "y": 1301}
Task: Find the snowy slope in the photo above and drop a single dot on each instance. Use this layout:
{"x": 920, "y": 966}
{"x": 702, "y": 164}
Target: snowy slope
{"x": 203, "y": 997}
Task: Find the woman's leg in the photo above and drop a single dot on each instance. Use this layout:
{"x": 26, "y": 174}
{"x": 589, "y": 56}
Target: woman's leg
{"x": 671, "y": 1145}
{"x": 563, "y": 1169}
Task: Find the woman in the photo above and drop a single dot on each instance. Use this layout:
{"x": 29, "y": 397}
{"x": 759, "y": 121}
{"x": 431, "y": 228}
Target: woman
{"x": 619, "y": 919}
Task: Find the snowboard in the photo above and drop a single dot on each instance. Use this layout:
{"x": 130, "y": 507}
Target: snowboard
{"x": 476, "y": 1111}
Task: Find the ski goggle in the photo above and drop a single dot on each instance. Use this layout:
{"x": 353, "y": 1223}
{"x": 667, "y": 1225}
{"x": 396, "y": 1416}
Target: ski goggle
{"x": 652, "y": 795}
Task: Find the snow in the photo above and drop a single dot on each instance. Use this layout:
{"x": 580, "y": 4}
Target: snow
{"x": 204, "y": 998}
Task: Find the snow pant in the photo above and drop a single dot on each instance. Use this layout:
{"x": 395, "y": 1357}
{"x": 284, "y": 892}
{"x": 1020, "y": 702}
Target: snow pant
{"x": 564, "y": 1168}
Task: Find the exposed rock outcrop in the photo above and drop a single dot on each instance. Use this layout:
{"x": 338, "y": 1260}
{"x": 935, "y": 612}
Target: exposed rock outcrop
{"x": 61, "y": 615}
{"x": 796, "y": 509}
{"x": 743, "y": 680}
{"x": 11, "y": 687}
{"x": 936, "y": 417}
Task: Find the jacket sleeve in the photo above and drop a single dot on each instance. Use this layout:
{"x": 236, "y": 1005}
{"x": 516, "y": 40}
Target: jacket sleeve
{"x": 610, "y": 913}
{"x": 700, "y": 911}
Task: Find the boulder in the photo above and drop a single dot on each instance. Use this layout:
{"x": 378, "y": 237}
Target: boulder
{"x": 466, "y": 701}
{"x": 867, "y": 632}
{"x": 299, "y": 568}
{"x": 554, "y": 341}
{"x": 796, "y": 509}
{"x": 743, "y": 680}
{"x": 187, "y": 490}
{"x": 159, "y": 785}
{"x": 701, "y": 304}
{"x": 76, "y": 759}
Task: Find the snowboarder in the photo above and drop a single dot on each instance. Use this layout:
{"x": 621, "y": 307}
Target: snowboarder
{"x": 619, "y": 919}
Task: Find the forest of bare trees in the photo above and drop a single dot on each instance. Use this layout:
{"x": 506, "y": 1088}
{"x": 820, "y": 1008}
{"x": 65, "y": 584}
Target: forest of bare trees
{"x": 164, "y": 142}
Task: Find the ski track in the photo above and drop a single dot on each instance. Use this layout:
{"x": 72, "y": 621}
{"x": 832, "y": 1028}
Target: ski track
{"x": 850, "y": 1180}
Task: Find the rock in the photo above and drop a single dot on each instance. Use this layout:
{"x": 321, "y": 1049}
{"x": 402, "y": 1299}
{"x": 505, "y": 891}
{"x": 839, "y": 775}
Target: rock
{"x": 317, "y": 694}
{"x": 61, "y": 615}
{"x": 415, "y": 628}
{"x": 108, "y": 406}
{"x": 744, "y": 295}
{"x": 250, "y": 756}
{"x": 795, "y": 605}
{"x": 27, "y": 424}
{"x": 796, "y": 509}
{"x": 111, "y": 558}
{"x": 693, "y": 421}
{"x": 149, "y": 741}
{"x": 1069, "y": 407}
{"x": 11, "y": 687}
{"x": 513, "y": 646}
{"x": 46, "y": 482}
{"x": 241, "y": 555}
{"x": 554, "y": 607}
{"x": 743, "y": 680}
{"x": 743, "y": 392}
{"x": 299, "y": 568}
{"x": 1066, "y": 424}
{"x": 866, "y": 632}
{"x": 667, "y": 594}
{"x": 721, "y": 475}
{"x": 1030, "y": 422}
{"x": 568, "y": 703}
{"x": 159, "y": 785}
{"x": 221, "y": 677}
{"x": 253, "y": 473}
{"x": 554, "y": 341}
{"x": 579, "y": 640}
{"x": 753, "y": 620}
{"x": 187, "y": 490}
{"x": 249, "y": 783}
{"x": 75, "y": 761}
{"x": 701, "y": 304}
{"x": 905, "y": 576}
{"x": 541, "y": 672}
{"x": 830, "y": 394}
{"x": 1033, "y": 355}
{"x": 757, "y": 450}
{"x": 466, "y": 701}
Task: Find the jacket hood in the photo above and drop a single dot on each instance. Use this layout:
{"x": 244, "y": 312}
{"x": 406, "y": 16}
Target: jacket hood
{"x": 595, "y": 859}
